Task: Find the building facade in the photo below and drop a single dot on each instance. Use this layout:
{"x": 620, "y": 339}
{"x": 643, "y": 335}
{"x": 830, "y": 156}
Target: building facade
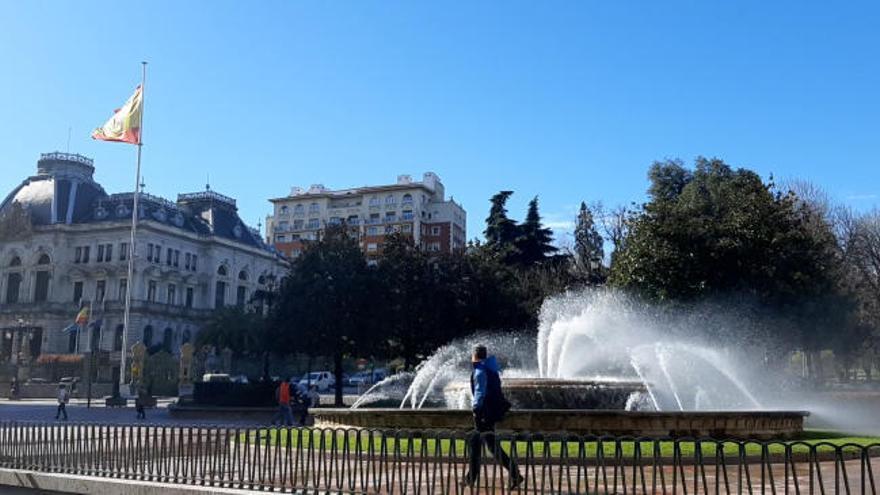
{"x": 64, "y": 245}
{"x": 416, "y": 208}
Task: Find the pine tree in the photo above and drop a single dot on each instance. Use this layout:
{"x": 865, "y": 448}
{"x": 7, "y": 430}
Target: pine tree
{"x": 588, "y": 243}
{"x": 501, "y": 232}
{"x": 535, "y": 240}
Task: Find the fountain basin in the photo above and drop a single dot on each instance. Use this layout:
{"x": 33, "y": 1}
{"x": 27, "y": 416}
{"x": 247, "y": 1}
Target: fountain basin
{"x": 549, "y": 393}
{"x": 716, "y": 424}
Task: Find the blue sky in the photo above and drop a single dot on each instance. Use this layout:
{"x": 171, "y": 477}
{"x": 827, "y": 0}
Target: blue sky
{"x": 570, "y": 101}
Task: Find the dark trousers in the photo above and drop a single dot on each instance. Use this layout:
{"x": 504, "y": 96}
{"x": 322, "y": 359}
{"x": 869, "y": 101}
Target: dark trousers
{"x": 485, "y": 434}
{"x": 62, "y": 409}
{"x": 141, "y": 413}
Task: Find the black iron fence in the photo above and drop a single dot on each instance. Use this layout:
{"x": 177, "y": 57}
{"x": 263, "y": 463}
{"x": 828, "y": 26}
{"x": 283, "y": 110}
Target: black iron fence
{"x": 435, "y": 462}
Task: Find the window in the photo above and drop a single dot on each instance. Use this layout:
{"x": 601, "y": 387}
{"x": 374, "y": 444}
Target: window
{"x": 77, "y": 291}
{"x": 221, "y": 270}
{"x": 389, "y": 200}
{"x": 123, "y": 286}
{"x": 298, "y": 210}
{"x": 353, "y": 220}
{"x": 100, "y": 290}
{"x": 171, "y": 297}
{"x": 372, "y": 230}
{"x": 314, "y": 208}
{"x": 77, "y": 257}
{"x": 176, "y": 258}
{"x": 150, "y": 252}
{"x": 407, "y": 228}
{"x": 148, "y": 335}
{"x": 86, "y": 250}
{"x": 41, "y": 286}
{"x": 189, "y": 297}
{"x": 117, "y": 338}
{"x": 108, "y": 253}
{"x": 241, "y": 296}
{"x": 186, "y": 260}
{"x": 187, "y": 336}
{"x": 167, "y": 339}
{"x": 297, "y": 224}
{"x": 314, "y": 223}
{"x": 15, "y": 261}
{"x": 100, "y": 255}
{"x": 435, "y": 230}
{"x": 242, "y": 275}
{"x": 374, "y": 201}
{"x": 13, "y": 285}
{"x": 284, "y": 210}
{"x": 195, "y": 260}
{"x": 151, "y": 291}
{"x": 169, "y": 256}
{"x": 123, "y": 251}
{"x": 434, "y": 247}
{"x": 372, "y": 247}
{"x": 374, "y": 218}
{"x": 280, "y": 238}
{"x": 220, "y": 294}
{"x": 283, "y": 226}
{"x": 389, "y": 229}
{"x": 407, "y": 199}
{"x": 390, "y": 216}
{"x": 407, "y": 215}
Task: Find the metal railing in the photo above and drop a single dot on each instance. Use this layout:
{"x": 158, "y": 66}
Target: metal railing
{"x": 340, "y": 460}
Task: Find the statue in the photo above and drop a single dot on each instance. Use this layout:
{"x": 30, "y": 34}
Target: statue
{"x": 138, "y": 353}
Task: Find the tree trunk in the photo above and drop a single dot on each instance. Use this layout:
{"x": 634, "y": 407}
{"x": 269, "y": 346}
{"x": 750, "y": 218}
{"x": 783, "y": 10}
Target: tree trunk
{"x": 337, "y": 370}
{"x": 266, "y": 366}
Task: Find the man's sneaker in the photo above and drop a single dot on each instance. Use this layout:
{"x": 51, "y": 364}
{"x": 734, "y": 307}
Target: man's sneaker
{"x": 515, "y": 481}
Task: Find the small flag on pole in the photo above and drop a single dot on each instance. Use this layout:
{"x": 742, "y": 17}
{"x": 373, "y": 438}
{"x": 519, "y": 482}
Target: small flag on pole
{"x": 82, "y": 317}
{"x": 125, "y": 124}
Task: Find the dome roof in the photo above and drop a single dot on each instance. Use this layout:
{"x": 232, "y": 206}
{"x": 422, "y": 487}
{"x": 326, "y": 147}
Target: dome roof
{"x": 63, "y": 190}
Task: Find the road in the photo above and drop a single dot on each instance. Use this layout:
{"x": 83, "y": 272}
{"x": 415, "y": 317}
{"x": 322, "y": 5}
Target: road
{"x": 44, "y": 410}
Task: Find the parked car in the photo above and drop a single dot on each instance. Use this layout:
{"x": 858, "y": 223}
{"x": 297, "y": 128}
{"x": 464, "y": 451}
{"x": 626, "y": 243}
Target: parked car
{"x": 367, "y": 378}
{"x": 323, "y": 380}
{"x": 216, "y": 378}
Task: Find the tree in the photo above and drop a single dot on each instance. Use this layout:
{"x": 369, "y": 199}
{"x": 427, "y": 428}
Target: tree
{"x": 718, "y": 231}
{"x": 421, "y": 305}
{"x": 325, "y": 297}
{"x": 589, "y": 248}
{"x": 534, "y": 241}
{"x": 501, "y": 232}
{"x": 245, "y": 332}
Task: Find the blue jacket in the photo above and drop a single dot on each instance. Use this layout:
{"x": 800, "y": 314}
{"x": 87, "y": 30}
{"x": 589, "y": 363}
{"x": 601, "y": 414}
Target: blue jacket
{"x": 484, "y": 381}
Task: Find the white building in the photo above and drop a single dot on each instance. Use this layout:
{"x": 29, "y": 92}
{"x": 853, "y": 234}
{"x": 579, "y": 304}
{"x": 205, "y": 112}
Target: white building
{"x": 64, "y": 245}
{"x": 416, "y": 208}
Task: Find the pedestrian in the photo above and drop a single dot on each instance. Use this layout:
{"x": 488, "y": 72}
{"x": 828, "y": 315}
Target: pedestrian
{"x": 314, "y": 396}
{"x": 63, "y": 397}
{"x": 140, "y": 403}
{"x": 489, "y": 407}
{"x": 282, "y": 398}
{"x": 299, "y": 403}
{"x": 13, "y": 389}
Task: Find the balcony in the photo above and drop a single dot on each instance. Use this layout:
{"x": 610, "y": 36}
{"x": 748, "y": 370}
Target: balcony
{"x": 407, "y": 216}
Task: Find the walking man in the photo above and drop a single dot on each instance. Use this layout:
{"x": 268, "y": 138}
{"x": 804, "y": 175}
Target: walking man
{"x": 489, "y": 406}
{"x": 63, "y": 397}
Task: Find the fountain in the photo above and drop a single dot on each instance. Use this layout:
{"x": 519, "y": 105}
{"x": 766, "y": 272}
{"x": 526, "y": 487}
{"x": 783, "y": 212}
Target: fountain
{"x": 601, "y": 363}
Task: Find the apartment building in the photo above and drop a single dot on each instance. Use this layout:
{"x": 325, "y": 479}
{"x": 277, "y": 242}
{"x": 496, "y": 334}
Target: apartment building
{"x": 416, "y": 208}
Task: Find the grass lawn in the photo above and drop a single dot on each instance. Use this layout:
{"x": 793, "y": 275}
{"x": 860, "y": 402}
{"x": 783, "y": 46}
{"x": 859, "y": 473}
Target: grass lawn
{"x": 375, "y": 443}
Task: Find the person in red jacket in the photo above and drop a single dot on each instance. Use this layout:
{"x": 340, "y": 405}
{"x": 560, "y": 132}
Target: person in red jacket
{"x": 282, "y": 397}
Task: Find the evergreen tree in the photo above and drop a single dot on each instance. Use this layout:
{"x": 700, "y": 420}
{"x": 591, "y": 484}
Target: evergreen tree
{"x": 588, "y": 244}
{"x": 535, "y": 241}
{"x": 501, "y": 232}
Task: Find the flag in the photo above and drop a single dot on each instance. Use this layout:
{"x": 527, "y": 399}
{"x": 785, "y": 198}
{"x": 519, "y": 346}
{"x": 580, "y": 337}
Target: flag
{"x": 82, "y": 317}
{"x": 72, "y": 328}
{"x": 125, "y": 124}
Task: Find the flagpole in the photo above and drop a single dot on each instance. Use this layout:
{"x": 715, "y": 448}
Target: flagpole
{"x": 126, "y": 318}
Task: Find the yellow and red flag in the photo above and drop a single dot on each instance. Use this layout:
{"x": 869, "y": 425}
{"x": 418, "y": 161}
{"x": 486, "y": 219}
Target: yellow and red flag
{"x": 83, "y": 316}
{"x": 125, "y": 124}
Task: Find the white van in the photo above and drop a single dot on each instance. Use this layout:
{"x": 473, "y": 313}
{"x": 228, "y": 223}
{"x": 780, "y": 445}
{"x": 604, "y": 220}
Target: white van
{"x": 323, "y": 380}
